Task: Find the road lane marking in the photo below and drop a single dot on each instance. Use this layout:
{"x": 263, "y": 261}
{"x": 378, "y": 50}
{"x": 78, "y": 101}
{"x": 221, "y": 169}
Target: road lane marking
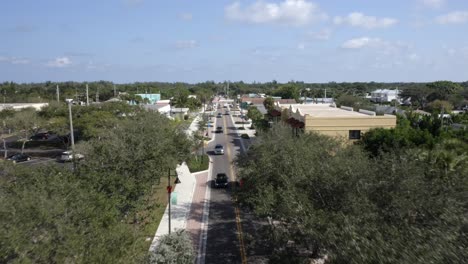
{"x": 240, "y": 235}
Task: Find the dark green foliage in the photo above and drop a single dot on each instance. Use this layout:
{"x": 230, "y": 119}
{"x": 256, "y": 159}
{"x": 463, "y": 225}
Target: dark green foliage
{"x": 245, "y": 136}
{"x": 288, "y": 91}
{"x": 326, "y": 198}
{"x": 269, "y": 103}
{"x": 51, "y": 215}
{"x": 198, "y": 163}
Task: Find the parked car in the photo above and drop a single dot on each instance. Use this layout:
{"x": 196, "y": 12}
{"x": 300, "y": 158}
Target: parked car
{"x": 219, "y": 130}
{"x": 220, "y": 115}
{"x": 219, "y": 149}
{"x": 40, "y": 136}
{"x": 221, "y": 180}
{"x": 19, "y": 158}
{"x": 68, "y": 156}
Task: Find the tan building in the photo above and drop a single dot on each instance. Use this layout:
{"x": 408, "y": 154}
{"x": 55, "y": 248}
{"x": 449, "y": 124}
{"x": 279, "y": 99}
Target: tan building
{"x": 332, "y": 121}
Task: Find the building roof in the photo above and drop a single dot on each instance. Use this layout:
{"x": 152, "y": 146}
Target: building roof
{"x": 261, "y": 108}
{"x": 322, "y": 110}
{"x": 179, "y": 110}
{"x": 257, "y": 101}
{"x": 156, "y": 106}
{"x": 386, "y": 91}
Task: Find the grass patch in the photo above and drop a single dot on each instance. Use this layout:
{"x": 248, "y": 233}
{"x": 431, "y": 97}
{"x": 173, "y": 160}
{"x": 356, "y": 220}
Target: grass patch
{"x": 151, "y": 213}
{"x": 198, "y": 163}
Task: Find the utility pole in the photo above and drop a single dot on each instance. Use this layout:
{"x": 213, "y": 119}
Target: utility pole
{"x": 169, "y": 190}
{"x": 58, "y": 94}
{"x": 87, "y": 95}
{"x": 72, "y": 137}
{"x": 97, "y": 94}
{"x": 325, "y": 92}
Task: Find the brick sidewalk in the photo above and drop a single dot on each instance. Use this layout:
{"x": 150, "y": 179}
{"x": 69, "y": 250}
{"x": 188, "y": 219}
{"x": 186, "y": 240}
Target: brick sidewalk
{"x": 194, "y": 223}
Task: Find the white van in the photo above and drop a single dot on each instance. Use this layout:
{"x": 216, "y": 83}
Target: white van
{"x": 68, "y": 156}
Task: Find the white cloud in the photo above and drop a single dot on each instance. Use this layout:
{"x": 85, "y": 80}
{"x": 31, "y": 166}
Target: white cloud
{"x": 413, "y": 57}
{"x": 301, "y": 46}
{"x": 14, "y": 60}
{"x": 456, "y": 17}
{"x": 432, "y": 3}
{"x": 60, "y": 62}
{"x": 357, "y": 19}
{"x": 19, "y": 61}
{"x": 290, "y": 12}
{"x": 323, "y": 34}
{"x": 186, "y": 44}
{"x": 363, "y": 42}
{"x": 186, "y": 16}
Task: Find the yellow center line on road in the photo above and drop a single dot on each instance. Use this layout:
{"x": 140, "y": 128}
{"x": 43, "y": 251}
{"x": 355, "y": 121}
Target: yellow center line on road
{"x": 240, "y": 235}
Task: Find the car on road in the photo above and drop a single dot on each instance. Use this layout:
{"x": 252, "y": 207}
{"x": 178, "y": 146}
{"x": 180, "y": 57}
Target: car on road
{"x": 221, "y": 180}
{"x": 227, "y": 113}
{"x": 219, "y": 130}
{"x": 219, "y": 149}
{"x": 68, "y": 156}
{"x": 220, "y": 115}
{"x": 19, "y": 158}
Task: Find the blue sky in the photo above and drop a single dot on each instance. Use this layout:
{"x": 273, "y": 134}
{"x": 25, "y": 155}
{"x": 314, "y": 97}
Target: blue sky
{"x": 192, "y": 41}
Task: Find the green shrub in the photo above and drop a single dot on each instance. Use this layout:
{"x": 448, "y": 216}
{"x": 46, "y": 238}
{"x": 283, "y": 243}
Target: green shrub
{"x": 198, "y": 163}
{"x": 174, "y": 248}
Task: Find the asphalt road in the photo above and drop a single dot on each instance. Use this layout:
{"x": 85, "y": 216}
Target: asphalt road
{"x": 233, "y": 233}
{"x": 223, "y": 243}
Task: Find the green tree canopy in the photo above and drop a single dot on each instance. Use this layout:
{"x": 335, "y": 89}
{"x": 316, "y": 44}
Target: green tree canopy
{"x": 325, "y": 198}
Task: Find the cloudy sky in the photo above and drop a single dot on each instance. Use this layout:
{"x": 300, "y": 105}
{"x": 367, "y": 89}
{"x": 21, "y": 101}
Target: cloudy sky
{"x": 198, "y": 40}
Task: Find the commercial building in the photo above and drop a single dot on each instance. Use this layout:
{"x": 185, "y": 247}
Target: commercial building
{"x": 384, "y": 95}
{"x": 152, "y": 98}
{"x": 329, "y": 120}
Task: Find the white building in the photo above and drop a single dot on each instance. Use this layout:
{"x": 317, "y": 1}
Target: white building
{"x": 19, "y": 106}
{"x": 384, "y": 95}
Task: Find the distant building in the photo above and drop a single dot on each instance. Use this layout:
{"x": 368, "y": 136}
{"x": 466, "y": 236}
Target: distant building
{"x": 331, "y": 121}
{"x": 384, "y": 95}
{"x": 259, "y": 100}
{"x": 309, "y": 100}
{"x": 164, "y": 109}
{"x": 19, "y": 106}
{"x": 153, "y": 98}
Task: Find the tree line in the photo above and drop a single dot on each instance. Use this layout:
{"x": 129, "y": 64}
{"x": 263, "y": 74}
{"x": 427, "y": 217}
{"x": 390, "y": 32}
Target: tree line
{"x": 102, "y": 211}
{"x": 323, "y": 199}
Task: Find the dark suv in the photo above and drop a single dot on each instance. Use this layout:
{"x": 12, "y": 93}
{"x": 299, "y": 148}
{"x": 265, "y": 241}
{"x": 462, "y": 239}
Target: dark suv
{"x": 19, "y": 158}
{"x": 221, "y": 180}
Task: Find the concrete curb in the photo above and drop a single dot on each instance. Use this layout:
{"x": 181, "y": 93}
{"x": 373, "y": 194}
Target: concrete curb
{"x": 201, "y": 254}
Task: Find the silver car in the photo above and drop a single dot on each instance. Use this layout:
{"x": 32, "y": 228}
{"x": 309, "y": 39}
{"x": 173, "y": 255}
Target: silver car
{"x": 219, "y": 149}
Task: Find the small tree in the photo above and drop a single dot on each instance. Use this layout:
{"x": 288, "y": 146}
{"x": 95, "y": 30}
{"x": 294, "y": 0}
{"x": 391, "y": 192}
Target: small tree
{"x": 174, "y": 248}
{"x": 269, "y": 103}
{"x": 28, "y": 123}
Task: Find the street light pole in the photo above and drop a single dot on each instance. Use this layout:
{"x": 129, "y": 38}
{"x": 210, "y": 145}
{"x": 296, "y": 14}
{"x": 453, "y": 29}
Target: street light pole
{"x": 169, "y": 190}
{"x": 72, "y": 137}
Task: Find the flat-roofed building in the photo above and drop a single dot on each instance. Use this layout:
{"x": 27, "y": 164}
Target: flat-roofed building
{"x": 329, "y": 120}
{"x": 19, "y": 106}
